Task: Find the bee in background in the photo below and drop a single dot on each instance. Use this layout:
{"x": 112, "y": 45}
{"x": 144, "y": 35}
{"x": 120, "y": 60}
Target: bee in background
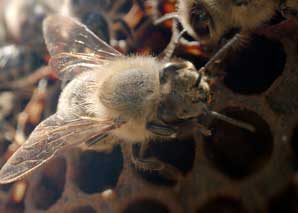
{"x": 128, "y": 98}
{"x": 209, "y": 20}
{"x": 17, "y": 62}
{"x": 23, "y": 21}
{"x": 226, "y": 25}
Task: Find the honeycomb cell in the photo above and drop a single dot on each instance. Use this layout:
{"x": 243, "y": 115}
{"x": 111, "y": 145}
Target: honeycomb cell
{"x": 237, "y": 152}
{"x": 98, "y": 171}
{"x": 50, "y": 186}
{"x": 82, "y": 209}
{"x": 223, "y": 205}
{"x": 176, "y": 152}
{"x": 146, "y": 206}
{"x": 285, "y": 201}
{"x": 253, "y": 69}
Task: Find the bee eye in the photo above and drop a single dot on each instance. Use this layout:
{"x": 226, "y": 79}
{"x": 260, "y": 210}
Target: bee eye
{"x": 169, "y": 70}
{"x": 199, "y": 19}
{"x": 172, "y": 67}
{"x": 203, "y": 16}
{"x": 199, "y": 14}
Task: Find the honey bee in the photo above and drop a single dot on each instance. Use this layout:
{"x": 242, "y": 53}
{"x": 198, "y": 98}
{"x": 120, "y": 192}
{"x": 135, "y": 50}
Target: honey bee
{"x": 16, "y": 62}
{"x": 23, "y": 21}
{"x": 109, "y": 95}
{"x": 225, "y": 25}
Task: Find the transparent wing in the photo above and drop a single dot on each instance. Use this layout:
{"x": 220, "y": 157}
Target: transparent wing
{"x": 52, "y": 135}
{"x": 73, "y": 47}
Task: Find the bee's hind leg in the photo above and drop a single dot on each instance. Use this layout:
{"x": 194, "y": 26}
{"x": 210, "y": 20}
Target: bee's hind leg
{"x": 205, "y": 131}
{"x": 160, "y": 129}
{"x": 153, "y": 164}
{"x": 96, "y": 139}
{"x": 100, "y": 143}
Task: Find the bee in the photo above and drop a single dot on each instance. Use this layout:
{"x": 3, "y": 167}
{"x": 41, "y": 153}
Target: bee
{"x": 23, "y": 21}
{"x": 126, "y": 98}
{"x": 17, "y": 62}
{"x": 223, "y": 26}
{"x": 209, "y": 20}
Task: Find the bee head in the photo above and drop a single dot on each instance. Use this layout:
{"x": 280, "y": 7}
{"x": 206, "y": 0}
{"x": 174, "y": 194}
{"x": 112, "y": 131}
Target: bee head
{"x": 184, "y": 92}
{"x": 201, "y": 21}
{"x": 198, "y": 19}
{"x": 207, "y": 20}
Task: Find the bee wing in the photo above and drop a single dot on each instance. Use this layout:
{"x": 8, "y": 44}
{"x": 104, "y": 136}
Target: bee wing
{"x": 73, "y": 47}
{"x": 50, "y": 136}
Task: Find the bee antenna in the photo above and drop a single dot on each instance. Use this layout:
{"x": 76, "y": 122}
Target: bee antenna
{"x": 176, "y": 36}
{"x": 167, "y": 17}
{"x": 170, "y": 49}
{"x": 232, "y": 121}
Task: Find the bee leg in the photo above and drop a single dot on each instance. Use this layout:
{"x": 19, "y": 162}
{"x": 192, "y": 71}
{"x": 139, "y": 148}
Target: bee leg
{"x": 153, "y": 164}
{"x": 99, "y": 144}
{"x": 161, "y": 129}
{"x": 239, "y": 40}
{"x": 96, "y": 139}
{"x": 205, "y": 131}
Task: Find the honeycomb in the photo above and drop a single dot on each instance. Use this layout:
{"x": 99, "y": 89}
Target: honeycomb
{"x": 232, "y": 170}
